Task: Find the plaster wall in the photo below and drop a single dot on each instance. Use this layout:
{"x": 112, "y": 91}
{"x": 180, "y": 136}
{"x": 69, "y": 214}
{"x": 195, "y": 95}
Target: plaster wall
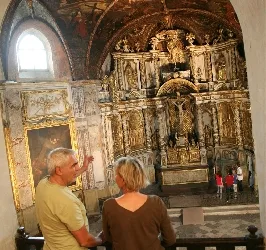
{"x": 252, "y": 17}
{"x": 8, "y": 216}
{"x": 3, "y": 6}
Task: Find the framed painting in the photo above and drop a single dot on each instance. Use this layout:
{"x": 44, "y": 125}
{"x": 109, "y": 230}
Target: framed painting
{"x": 40, "y": 141}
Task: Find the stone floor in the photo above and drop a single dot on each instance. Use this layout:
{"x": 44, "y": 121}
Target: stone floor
{"x": 214, "y": 225}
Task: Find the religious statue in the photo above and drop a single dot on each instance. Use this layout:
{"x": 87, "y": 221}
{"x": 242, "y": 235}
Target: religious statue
{"x": 131, "y": 76}
{"x": 154, "y": 43}
{"x": 220, "y": 37}
{"x": 207, "y": 39}
{"x": 221, "y": 69}
{"x": 175, "y": 48}
{"x": 126, "y": 47}
{"x": 190, "y": 38}
{"x": 105, "y": 83}
{"x": 137, "y": 47}
{"x": 118, "y": 46}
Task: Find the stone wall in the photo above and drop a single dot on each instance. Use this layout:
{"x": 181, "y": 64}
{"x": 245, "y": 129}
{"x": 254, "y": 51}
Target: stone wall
{"x": 252, "y": 17}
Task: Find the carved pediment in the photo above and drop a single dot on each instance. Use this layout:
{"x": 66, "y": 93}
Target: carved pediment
{"x": 177, "y": 85}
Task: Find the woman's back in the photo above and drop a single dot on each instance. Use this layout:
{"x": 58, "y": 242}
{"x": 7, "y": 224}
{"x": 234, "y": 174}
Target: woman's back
{"x": 132, "y": 201}
{"x": 135, "y": 224}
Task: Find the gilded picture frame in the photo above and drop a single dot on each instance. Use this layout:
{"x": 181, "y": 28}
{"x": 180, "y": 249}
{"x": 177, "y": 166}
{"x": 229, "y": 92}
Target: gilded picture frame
{"x": 40, "y": 140}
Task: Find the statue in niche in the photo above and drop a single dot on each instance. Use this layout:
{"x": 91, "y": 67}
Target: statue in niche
{"x": 175, "y": 48}
{"x": 226, "y": 121}
{"x": 105, "y": 83}
{"x": 221, "y": 69}
{"x": 131, "y": 76}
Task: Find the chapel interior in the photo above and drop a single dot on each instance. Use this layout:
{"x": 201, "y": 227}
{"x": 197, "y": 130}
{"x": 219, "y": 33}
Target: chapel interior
{"x": 162, "y": 80}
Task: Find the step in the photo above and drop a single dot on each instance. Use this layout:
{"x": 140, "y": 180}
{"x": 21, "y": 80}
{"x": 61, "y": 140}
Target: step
{"x": 221, "y": 210}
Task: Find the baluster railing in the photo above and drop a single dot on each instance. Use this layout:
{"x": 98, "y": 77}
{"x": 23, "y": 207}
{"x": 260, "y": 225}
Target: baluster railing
{"x": 252, "y": 241}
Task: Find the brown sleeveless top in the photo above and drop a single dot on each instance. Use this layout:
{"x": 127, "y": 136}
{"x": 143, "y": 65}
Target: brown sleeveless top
{"x": 138, "y": 230}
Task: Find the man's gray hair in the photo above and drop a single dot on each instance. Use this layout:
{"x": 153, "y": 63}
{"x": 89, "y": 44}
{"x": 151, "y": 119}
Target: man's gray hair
{"x": 58, "y": 158}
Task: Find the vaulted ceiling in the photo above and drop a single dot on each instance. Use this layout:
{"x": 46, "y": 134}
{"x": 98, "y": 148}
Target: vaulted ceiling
{"x": 92, "y": 28}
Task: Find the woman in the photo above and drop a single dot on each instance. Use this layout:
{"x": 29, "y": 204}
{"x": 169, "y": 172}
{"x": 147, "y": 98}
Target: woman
{"x": 134, "y": 221}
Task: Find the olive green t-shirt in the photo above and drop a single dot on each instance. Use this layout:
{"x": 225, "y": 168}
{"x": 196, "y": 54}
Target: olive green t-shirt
{"x": 59, "y": 212}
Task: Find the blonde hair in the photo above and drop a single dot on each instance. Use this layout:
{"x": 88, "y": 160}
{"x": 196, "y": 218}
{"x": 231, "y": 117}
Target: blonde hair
{"x": 58, "y": 158}
{"x": 132, "y": 172}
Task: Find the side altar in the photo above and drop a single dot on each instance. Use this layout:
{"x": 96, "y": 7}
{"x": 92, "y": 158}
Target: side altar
{"x": 180, "y": 106}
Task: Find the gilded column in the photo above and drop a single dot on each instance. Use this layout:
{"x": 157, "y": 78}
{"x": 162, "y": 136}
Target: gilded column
{"x": 108, "y": 138}
{"x": 237, "y": 123}
{"x": 124, "y": 117}
{"x": 142, "y": 74}
{"x": 162, "y": 134}
{"x": 200, "y": 127}
{"x": 233, "y": 63}
{"x": 120, "y": 78}
{"x": 209, "y": 65}
{"x": 156, "y": 70}
{"x": 181, "y": 119}
{"x": 147, "y": 117}
{"x": 215, "y": 125}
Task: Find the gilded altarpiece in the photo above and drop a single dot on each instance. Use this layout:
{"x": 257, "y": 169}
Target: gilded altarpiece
{"x": 196, "y": 117}
{"x": 246, "y": 126}
{"x": 226, "y": 120}
{"x": 136, "y": 130}
{"x": 183, "y": 148}
{"x": 117, "y": 132}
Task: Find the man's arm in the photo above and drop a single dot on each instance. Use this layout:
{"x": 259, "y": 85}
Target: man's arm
{"x": 86, "y": 162}
{"x": 85, "y": 239}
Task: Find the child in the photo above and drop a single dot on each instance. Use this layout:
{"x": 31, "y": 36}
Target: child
{"x": 235, "y": 183}
{"x": 219, "y": 183}
{"x": 229, "y": 181}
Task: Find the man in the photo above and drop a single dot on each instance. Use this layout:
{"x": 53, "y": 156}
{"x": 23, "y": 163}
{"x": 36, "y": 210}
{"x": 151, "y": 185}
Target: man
{"x": 239, "y": 173}
{"x": 61, "y": 215}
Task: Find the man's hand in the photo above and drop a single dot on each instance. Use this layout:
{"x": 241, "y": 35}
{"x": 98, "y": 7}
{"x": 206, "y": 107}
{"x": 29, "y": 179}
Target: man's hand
{"x": 87, "y": 160}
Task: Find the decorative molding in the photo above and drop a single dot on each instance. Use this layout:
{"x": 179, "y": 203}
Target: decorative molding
{"x": 41, "y": 106}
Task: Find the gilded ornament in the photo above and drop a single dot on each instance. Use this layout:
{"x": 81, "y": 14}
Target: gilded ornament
{"x": 190, "y": 38}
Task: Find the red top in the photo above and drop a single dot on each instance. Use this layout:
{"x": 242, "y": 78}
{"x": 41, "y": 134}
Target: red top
{"x": 219, "y": 180}
{"x": 229, "y": 180}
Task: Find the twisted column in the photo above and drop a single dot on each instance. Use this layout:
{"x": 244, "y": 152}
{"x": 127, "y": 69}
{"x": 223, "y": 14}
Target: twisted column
{"x": 215, "y": 125}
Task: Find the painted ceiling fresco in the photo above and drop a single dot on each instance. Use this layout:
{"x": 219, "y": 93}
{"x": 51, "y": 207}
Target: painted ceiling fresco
{"x": 92, "y": 28}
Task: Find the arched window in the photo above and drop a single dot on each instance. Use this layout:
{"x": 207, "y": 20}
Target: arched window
{"x": 31, "y": 53}
{"x": 34, "y": 56}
